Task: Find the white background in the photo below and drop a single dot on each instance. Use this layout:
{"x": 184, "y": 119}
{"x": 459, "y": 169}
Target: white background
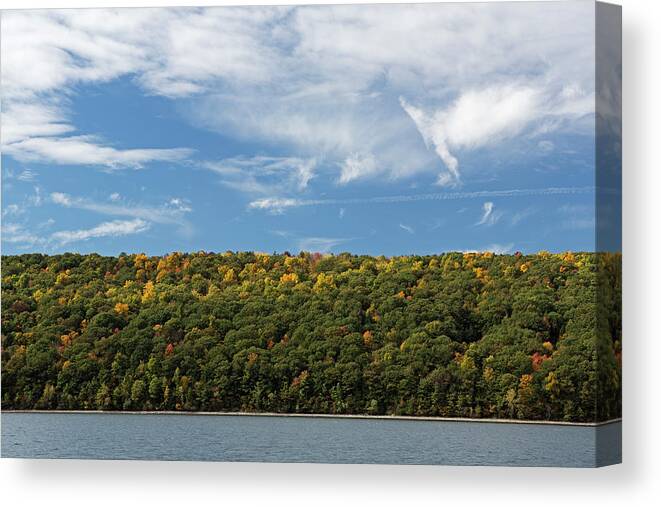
{"x": 636, "y": 482}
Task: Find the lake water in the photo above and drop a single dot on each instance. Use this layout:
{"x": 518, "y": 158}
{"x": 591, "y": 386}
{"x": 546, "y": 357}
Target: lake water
{"x": 305, "y": 439}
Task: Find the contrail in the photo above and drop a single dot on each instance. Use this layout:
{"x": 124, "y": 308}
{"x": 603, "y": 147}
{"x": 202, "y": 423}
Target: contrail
{"x": 280, "y": 204}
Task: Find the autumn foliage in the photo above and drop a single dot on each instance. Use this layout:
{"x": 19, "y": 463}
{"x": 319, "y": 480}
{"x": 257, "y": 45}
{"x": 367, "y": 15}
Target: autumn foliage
{"x": 456, "y": 334}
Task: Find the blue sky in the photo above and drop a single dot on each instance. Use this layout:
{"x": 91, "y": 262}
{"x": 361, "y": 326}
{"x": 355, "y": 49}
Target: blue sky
{"x": 381, "y": 130}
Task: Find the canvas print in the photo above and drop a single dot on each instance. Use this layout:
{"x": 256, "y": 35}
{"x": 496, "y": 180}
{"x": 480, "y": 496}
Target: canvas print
{"x": 328, "y": 234}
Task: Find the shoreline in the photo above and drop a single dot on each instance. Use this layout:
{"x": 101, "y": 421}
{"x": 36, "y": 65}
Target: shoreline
{"x": 318, "y": 416}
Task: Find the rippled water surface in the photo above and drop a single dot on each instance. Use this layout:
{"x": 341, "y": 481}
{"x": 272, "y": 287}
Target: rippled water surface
{"x": 304, "y": 439}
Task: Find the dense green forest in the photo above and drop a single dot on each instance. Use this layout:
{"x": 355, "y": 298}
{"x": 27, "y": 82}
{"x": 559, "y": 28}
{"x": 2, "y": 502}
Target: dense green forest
{"x": 457, "y": 334}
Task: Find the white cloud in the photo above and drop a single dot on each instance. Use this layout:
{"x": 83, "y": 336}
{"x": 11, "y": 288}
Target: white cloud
{"x": 521, "y": 215}
{"x": 12, "y": 210}
{"x": 36, "y": 198}
{"x": 323, "y": 245}
{"x": 17, "y": 234}
{"x": 46, "y": 224}
{"x": 486, "y": 116}
{"x": 281, "y": 233}
{"x": 577, "y": 217}
{"x": 114, "y": 197}
{"x": 104, "y": 229}
{"x": 546, "y": 146}
{"x": 86, "y": 150}
{"x": 489, "y": 215}
{"x": 434, "y": 136}
{"x": 577, "y": 223}
{"x": 199, "y": 47}
{"x": 358, "y": 166}
{"x": 279, "y": 205}
{"x": 437, "y": 223}
{"x": 172, "y": 212}
{"x": 275, "y": 205}
{"x": 179, "y": 205}
{"x": 67, "y": 48}
{"x": 488, "y": 210}
{"x": 356, "y": 134}
{"x": 60, "y": 198}
{"x": 353, "y": 64}
{"x": 22, "y": 208}
{"x": 498, "y": 248}
{"x": 27, "y": 175}
{"x": 321, "y": 81}
{"x": 24, "y": 120}
{"x": 310, "y": 243}
{"x": 407, "y": 228}
{"x": 265, "y": 175}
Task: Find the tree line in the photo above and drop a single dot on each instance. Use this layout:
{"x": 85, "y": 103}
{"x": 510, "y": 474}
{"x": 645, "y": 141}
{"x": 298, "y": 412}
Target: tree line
{"x": 457, "y": 335}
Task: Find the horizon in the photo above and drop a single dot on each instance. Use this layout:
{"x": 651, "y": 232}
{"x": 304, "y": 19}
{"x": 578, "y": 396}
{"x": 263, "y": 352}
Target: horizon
{"x": 311, "y": 253}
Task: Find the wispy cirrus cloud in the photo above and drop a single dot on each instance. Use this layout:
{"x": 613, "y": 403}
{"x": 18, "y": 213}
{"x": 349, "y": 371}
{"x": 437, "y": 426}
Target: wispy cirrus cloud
{"x": 87, "y": 150}
{"x": 67, "y": 49}
{"x": 486, "y": 116}
{"x": 521, "y": 215}
{"x": 36, "y": 128}
{"x": 346, "y": 100}
{"x": 172, "y": 212}
{"x": 489, "y": 215}
{"x": 577, "y": 217}
{"x": 358, "y": 166}
{"x": 318, "y": 244}
{"x": 22, "y": 208}
{"x": 310, "y": 243}
{"x": 27, "y": 175}
{"x": 434, "y": 136}
{"x": 17, "y": 233}
{"x": 264, "y": 175}
{"x": 279, "y": 205}
{"x": 105, "y": 229}
{"x": 360, "y": 71}
{"x": 322, "y": 82}
{"x": 407, "y": 228}
{"x": 12, "y": 210}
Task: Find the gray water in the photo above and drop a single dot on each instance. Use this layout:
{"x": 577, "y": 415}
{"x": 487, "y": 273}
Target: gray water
{"x": 305, "y": 439}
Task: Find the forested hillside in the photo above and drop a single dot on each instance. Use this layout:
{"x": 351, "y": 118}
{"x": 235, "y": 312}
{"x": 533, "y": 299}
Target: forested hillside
{"x": 470, "y": 335}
